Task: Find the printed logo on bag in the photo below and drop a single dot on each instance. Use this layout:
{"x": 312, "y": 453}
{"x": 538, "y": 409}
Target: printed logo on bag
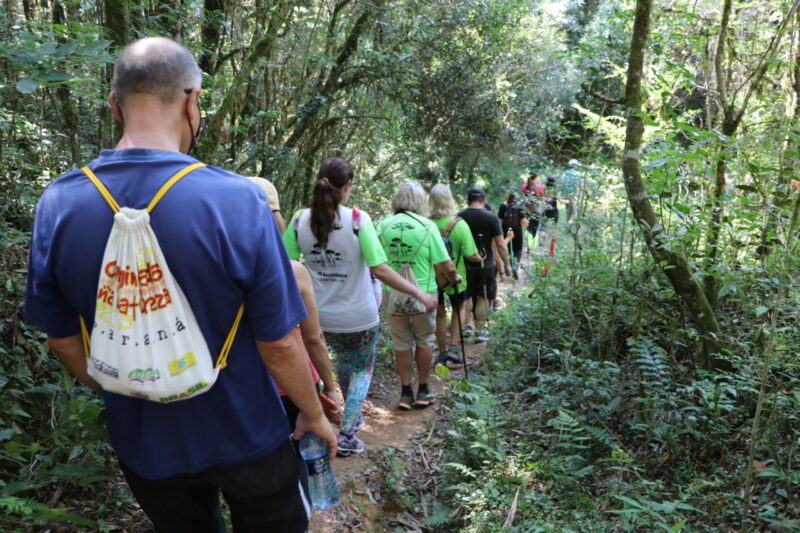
{"x": 176, "y": 366}
{"x": 141, "y": 290}
{"x": 185, "y": 394}
{"x": 144, "y": 375}
{"x": 105, "y": 368}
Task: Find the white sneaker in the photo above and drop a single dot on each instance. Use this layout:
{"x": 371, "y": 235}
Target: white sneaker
{"x": 482, "y": 336}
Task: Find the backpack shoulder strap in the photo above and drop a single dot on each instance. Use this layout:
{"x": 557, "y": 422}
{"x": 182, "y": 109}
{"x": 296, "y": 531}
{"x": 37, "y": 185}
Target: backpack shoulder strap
{"x": 356, "y": 221}
{"x": 112, "y": 203}
{"x": 157, "y": 198}
{"x": 450, "y": 226}
{"x": 296, "y": 221}
{"x": 424, "y": 239}
{"x": 222, "y": 360}
{"x": 170, "y": 182}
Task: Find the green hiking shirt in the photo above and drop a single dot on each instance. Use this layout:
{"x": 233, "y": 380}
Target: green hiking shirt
{"x": 463, "y": 246}
{"x": 405, "y": 234}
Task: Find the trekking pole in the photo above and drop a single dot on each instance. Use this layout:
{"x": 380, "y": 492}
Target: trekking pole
{"x": 483, "y": 276}
{"x": 511, "y": 255}
{"x": 461, "y": 337}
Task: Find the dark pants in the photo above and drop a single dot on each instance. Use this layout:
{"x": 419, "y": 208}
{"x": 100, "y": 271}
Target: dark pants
{"x": 516, "y": 242}
{"x": 480, "y": 283}
{"x": 266, "y": 494}
{"x": 533, "y": 225}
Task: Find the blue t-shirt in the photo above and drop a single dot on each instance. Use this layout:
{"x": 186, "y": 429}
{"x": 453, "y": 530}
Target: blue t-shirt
{"x": 222, "y": 246}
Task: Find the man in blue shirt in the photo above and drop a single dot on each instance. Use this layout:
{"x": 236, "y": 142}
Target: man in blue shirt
{"x": 222, "y": 247}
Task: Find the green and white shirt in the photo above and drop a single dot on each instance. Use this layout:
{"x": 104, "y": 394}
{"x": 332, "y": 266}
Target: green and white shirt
{"x": 340, "y": 269}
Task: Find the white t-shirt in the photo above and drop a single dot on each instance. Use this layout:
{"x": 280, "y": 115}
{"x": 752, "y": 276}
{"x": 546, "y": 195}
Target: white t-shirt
{"x": 340, "y": 270}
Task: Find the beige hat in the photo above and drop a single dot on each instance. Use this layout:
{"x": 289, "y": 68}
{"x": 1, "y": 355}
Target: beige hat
{"x": 270, "y": 190}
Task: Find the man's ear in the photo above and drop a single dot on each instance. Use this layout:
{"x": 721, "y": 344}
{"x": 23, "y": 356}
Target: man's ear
{"x": 195, "y": 94}
{"x": 115, "y": 108}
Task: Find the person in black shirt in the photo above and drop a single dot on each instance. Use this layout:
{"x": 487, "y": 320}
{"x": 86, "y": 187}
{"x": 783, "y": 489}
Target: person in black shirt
{"x": 550, "y": 201}
{"x": 481, "y": 284}
{"x": 511, "y": 217}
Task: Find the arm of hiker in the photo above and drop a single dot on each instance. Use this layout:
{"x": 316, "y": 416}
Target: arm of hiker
{"x": 274, "y": 307}
{"x": 286, "y": 362}
{"x": 502, "y": 250}
{"x": 69, "y": 351}
{"x": 314, "y": 338}
{"x": 387, "y": 275}
{"x": 446, "y": 274}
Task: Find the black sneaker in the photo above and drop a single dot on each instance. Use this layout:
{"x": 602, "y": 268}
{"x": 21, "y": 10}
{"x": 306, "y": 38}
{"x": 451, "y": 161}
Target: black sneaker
{"x": 406, "y": 401}
{"x": 454, "y": 358}
{"x": 424, "y": 399}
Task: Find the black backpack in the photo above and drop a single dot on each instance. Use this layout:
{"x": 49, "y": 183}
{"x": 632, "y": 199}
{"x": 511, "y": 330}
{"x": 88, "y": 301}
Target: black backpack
{"x": 511, "y": 217}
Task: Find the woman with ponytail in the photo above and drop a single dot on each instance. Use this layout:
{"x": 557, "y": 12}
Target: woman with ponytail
{"x": 341, "y": 250}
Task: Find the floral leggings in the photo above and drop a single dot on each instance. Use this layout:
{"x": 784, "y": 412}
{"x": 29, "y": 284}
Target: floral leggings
{"x": 355, "y": 358}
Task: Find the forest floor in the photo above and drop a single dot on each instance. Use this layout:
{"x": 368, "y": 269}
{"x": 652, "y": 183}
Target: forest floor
{"x": 392, "y": 486}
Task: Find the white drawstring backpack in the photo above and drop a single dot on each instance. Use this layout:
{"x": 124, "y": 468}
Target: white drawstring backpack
{"x": 145, "y": 341}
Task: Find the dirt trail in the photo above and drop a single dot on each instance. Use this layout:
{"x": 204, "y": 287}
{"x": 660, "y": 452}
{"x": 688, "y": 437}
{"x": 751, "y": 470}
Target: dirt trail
{"x": 370, "y": 482}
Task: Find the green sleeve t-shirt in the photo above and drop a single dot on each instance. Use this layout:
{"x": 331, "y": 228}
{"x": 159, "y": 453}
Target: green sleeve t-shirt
{"x": 408, "y": 237}
{"x": 370, "y": 245}
{"x": 290, "y": 239}
{"x": 463, "y": 246}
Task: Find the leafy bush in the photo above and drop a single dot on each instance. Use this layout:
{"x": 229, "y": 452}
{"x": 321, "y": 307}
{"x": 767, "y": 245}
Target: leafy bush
{"x": 584, "y": 438}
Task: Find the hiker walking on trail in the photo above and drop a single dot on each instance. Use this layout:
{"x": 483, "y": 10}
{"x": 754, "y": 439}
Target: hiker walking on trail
{"x": 316, "y": 352}
{"x": 218, "y": 248}
{"x": 461, "y": 248}
{"x": 551, "y": 201}
{"x": 512, "y": 219}
{"x": 570, "y": 182}
{"x": 415, "y": 249}
{"x": 272, "y": 199}
{"x": 549, "y": 218}
{"x": 481, "y": 283}
{"x": 341, "y": 249}
{"x": 533, "y": 202}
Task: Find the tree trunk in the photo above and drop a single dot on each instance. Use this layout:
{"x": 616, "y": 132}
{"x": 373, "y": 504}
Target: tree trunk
{"x": 116, "y": 20}
{"x": 779, "y": 198}
{"x": 68, "y": 111}
{"x": 260, "y": 49}
{"x": 213, "y": 17}
{"x": 731, "y": 119}
{"x": 675, "y": 266}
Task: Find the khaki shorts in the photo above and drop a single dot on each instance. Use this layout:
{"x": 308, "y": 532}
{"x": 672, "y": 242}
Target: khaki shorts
{"x": 417, "y": 330}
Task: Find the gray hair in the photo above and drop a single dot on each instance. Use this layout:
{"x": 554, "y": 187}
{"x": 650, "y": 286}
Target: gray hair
{"x": 441, "y": 201}
{"x": 410, "y": 196}
{"x": 157, "y": 66}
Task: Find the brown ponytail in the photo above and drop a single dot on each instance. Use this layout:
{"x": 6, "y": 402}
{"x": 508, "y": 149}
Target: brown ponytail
{"x": 333, "y": 175}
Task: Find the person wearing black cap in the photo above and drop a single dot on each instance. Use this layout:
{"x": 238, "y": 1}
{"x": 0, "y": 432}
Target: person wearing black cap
{"x": 481, "y": 283}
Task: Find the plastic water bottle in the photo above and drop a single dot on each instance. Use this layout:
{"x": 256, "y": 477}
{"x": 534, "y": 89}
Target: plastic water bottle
{"x": 321, "y": 481}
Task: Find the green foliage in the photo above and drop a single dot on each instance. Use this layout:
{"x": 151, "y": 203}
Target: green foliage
{"x": 588, "y": 402}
